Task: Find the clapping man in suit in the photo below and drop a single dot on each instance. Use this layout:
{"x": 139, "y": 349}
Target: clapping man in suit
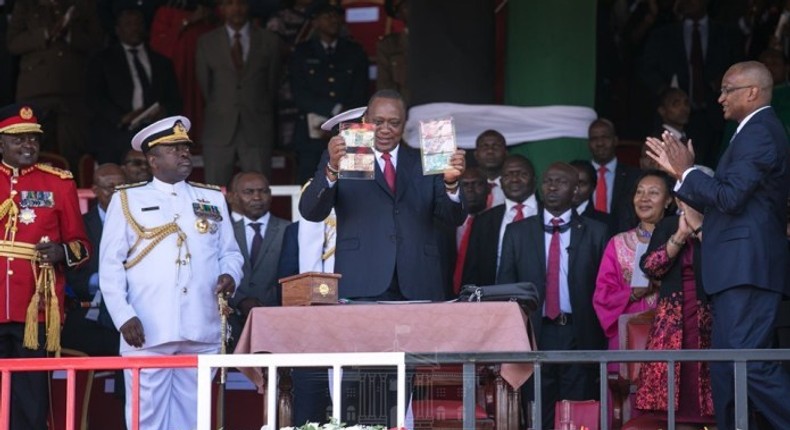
{"x": 129, "y": 87}
{"x": 387, "y": 239}
{"x": 260, "y": 237}
{"x": 559, "y": 252}
{"x": 744, "y": 250}
{"x": 615, "y": 181}
{"x": 485, "y": 243}
{"x": 238, "y": 69}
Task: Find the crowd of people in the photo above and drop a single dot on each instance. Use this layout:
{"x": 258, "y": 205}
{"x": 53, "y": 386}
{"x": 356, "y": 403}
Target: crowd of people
{"x": 706, "y": 249}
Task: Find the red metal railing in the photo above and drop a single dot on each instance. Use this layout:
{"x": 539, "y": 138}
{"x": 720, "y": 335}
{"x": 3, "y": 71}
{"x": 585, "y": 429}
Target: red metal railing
{"x": 71, "y": 365}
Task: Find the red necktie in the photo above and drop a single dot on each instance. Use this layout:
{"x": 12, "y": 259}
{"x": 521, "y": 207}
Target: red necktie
{"x": 519, "y": 212}
{"x": 553, "y": 273}
{"x": 600, "y": 191}
{"x": 389, "y": 171}
{"x": 461, "y": 259}
{"x": 697, "y": 65}
{"x": 490, "y": 198}
{"x": 236, "y": 52}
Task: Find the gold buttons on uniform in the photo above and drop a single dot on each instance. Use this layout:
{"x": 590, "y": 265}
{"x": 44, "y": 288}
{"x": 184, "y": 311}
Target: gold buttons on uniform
{"x": 331, "y": 79}
{"x": 331, "y": 94}
{"x": 10, "y": 272}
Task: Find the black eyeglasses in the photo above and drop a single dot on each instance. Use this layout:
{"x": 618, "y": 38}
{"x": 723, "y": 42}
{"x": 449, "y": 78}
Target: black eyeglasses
{"x": 725, "y": 91}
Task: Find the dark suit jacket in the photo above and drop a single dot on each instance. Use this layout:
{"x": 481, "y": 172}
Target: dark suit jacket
{"x": 524, "y": 260}
{"x": 289, "y": 253}
{"x": 378, "y": 232}
{"x": 260, "y": 276}
{"x": 480, "y": 263}
{"x": 109, "y": 96}
{"x": 744, "y": 240}
{"x": 622, "y": 209}
{"x": 602, "y": 217}
{"x": 94, "y": 338}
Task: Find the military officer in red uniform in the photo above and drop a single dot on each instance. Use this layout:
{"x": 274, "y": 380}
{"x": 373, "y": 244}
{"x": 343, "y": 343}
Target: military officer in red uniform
{"x": 42, "y": 234}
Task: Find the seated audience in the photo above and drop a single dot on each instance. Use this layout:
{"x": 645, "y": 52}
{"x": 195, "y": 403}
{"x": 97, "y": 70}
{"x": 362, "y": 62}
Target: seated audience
{"x": 683, "y": 321}
{"x": 135, "y": 167}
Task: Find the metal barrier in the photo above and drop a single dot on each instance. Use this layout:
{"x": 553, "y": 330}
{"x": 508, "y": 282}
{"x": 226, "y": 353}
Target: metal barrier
{"x": 206, "y": 363}
{"x": 72, "y": 365}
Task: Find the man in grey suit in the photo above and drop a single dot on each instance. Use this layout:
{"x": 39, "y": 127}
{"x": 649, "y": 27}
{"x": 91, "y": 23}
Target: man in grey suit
{"x": 260, "y": 237}
{"x": 238, "y": 69}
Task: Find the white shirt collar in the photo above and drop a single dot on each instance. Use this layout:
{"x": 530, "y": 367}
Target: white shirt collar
{"x": 582, "y": 206}
{"x": 675, "y": 132}
{"x": 748, "y": 117}
{"x": 244, "y": 31}
{"x": 530, "y": 202}
{"x": 169, "y": 188}
{"x": 610, "y": 166}
{"x": 393, "y": 154}
{"x": 264, "y": 220}
{"x": 565, "y": 217}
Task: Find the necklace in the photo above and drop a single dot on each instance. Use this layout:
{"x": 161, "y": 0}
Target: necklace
{"x": 641, "y": 232}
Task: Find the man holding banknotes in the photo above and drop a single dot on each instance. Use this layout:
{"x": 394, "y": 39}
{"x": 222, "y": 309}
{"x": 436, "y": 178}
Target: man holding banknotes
{"x": 387, "y": 239}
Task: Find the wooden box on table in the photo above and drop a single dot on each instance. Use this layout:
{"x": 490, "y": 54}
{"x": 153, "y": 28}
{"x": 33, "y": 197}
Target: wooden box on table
{"x": 311, "y": 288}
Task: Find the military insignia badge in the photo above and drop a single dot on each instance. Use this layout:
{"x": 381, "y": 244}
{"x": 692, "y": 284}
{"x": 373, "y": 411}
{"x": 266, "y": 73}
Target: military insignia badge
{"x": 25, "y": 113}
{"x": 213, "y": 228}
{"x": 202, "y": 225}
{"x": 207, "y": 211}
{"x": 27, "y": 216}
{"x": 36, "y": 199}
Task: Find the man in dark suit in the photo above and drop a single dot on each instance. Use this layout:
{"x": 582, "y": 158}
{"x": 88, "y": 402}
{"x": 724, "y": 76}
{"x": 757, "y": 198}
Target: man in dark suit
{"x": 615, "y": 181}
{"x": 238, "y": 68}
{"x": 329, "y": 74}
{"x": 559, "y": 252}
{"x": 260, "y": 237}
{"x": 124, "y": 81}
{"x": 387, "y": 239}
{"x": 87, "y": 327}
{"x": 693, "y": 54}
{"x": 582, "y": 201}
{"x": 744, "y": 249}
{"x": 485, "y": 243}
{"x": 474, "y": 189}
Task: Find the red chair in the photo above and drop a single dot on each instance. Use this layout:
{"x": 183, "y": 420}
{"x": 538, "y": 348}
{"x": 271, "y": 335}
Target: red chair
{"x": 577, "y": 413}
{"x": 86, "y": 168}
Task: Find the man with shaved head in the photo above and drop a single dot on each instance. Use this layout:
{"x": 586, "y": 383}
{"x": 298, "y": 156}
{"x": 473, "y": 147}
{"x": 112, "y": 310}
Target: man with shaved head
{"x": 744, "y": 250}
{"x": 559, "y": 251}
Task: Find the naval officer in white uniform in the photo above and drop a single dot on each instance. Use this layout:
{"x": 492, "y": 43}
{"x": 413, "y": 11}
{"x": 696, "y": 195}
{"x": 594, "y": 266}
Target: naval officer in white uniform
{"x": 167, "y": 251}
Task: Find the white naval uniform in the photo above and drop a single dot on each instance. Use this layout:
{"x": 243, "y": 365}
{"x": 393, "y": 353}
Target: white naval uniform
{"x": 174, "y": 297}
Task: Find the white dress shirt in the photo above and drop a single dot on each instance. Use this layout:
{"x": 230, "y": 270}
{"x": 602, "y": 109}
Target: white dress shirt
{"x": 530, "y": 208}
{"x": 245, "y": 39}
{"x": 565, "y": 241}
{"x": 142, "y": 54}
{"x": 249, "y": 232}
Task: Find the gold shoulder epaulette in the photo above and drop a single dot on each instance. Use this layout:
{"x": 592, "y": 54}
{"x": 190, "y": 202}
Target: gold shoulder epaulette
{"x": 62, "y": 174}
{"x": 206, "y": 186}
{"x": 132, "y": 185}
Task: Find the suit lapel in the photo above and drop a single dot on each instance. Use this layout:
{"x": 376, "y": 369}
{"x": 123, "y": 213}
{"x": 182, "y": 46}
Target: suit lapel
{"x": 404, "y": 172}
{"x": 540, "y": 242}
{"x": 577, "y": 234}
{"x": 271, "y": 231}
{"x": 255, "y": 48}
{"x": 241, "y": 238}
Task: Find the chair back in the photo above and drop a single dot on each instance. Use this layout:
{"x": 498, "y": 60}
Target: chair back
{"x": 54, "y": 160}
{"x": 634, "y": 333}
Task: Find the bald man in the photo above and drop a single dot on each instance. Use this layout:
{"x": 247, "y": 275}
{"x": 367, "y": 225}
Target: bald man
{"x": 559, "y": 251}
{"x": 744, "y": 248}
{"x": 86, "y": 328}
